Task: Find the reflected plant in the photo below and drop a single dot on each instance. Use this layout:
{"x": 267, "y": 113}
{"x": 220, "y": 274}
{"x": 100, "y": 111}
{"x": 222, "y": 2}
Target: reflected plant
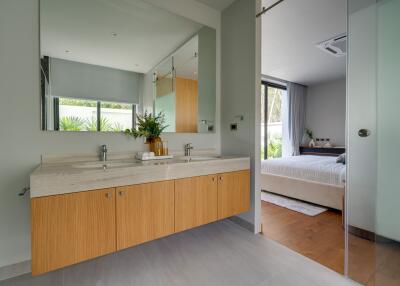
{"x": 117, "y": 127}
{"x": 71, "y": 123}
{"x": 91, "y": 124}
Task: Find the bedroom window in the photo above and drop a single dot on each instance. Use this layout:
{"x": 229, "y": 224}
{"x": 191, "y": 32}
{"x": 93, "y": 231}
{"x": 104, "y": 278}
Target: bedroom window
{"x": 272, "y": 96}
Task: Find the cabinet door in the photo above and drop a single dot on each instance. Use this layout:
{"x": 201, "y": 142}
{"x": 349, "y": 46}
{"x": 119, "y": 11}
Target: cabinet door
{"x": 196, "y": 201}
{"x": 71, "y": 228}
{"x": 233, "y": 193}
{"x": 144, "y": 212}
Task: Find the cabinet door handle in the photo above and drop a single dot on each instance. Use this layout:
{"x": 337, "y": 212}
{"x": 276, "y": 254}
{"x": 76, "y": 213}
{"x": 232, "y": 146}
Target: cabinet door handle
{"x": 221, "y": 178}
{"x": 213, "y": 179}
{"x": 121, "y": 193}
{"x": 108, "y": 195}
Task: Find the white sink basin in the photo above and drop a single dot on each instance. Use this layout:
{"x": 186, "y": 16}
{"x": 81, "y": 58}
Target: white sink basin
{"x": 104, "y": 165}
{"x": 200, "y": 158}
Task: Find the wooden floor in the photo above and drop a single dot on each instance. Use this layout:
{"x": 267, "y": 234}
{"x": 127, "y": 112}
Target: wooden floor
{"x": 321, "y": 238}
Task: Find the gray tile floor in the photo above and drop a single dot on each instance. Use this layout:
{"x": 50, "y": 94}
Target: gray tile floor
{"x": 221, "y": 253}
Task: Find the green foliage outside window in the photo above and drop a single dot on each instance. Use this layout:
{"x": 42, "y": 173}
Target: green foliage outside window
{"x": 93, "y": 103}
{"x": 275, "y": 148}
{"x": 71, "y": 123}
{"x": 74, "y": 123}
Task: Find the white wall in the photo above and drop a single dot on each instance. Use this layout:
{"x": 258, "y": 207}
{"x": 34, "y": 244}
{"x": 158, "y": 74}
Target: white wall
{"x": 241, "y": 80}
{"x": 22, "y": 142}
{"x": 326, "y": 111}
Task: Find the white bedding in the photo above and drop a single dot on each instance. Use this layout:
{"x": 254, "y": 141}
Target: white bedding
{"x": 320, "y": 169}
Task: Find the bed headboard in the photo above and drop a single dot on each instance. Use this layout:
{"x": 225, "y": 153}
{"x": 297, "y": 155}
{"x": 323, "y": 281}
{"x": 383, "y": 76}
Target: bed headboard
{"x": 322, "y": 151}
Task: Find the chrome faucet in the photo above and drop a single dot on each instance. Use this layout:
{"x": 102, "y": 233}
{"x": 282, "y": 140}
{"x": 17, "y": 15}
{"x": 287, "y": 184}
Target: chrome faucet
{"x": 103, "y": 153}
{"x": 188, "y": 147}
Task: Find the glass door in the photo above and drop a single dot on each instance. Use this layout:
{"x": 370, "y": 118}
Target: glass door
{"x": 272, "y": 98}
{"x": 373, "y": 139}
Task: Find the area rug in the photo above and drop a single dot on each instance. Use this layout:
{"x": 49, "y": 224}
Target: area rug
{"x": 292, "y": 204}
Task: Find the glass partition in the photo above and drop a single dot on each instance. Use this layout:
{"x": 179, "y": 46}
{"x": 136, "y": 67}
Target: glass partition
{"x": 164, "y": 93}
{"x": 373, "y": 188}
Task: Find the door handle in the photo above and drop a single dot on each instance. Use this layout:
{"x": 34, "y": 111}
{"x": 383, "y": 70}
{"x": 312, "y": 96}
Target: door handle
{"x": 121, "y": 193}
{"x": 364, "y": 133}
{"x": 108, "y": 195}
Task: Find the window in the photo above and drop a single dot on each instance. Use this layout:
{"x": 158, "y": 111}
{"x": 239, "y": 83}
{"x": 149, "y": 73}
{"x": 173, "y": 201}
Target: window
{"x": 115, "y": 117}
{"x": 272, "y": 96}
{"x": 90, "y": 115}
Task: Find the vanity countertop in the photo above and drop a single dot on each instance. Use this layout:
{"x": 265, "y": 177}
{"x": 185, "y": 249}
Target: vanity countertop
{"x": 62, "y": 178}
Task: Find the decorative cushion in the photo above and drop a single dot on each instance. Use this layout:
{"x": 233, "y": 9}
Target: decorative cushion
{"x": 341, "y": 159}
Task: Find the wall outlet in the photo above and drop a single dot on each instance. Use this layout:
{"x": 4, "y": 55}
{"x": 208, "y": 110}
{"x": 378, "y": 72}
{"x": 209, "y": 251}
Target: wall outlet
{"x": 234, "y": 127}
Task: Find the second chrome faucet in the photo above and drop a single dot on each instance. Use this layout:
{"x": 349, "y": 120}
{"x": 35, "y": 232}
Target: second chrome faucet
{"x": 188, "y": 147}
{"x": 103, "y": 153}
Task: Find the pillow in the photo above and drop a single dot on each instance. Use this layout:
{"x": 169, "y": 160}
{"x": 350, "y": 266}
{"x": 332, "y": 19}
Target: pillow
{"x": 341, "y": 159}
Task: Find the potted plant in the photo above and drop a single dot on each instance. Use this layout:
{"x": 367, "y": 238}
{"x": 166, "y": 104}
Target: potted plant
{"x": 311, "y": 137}
{"x": 150, "y": 127}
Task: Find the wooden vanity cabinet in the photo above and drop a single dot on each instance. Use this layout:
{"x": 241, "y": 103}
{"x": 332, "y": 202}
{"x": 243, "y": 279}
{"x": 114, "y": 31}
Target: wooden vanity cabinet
{"x": 144, "y": 212}
{"x": 196, "y": 201}
{"x": 70, "y": 228}
{"x": 233, "y": 193}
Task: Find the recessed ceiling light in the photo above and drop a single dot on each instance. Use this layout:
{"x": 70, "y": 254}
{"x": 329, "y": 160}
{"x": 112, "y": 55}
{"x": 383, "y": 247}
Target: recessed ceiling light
{"x": 67, "y": 51}
{"x": 114, "y": 34}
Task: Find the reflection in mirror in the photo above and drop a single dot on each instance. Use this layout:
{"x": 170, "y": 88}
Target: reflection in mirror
{"x": 185, "y": 85}
{"x": 131, "y": 56}
{"x": 164, "y": 93}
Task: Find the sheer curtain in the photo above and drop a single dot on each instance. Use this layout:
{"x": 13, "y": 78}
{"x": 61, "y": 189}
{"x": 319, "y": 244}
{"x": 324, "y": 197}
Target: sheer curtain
{"x": 294, "y": 110}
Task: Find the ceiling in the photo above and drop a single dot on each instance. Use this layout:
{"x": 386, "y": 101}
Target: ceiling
{"x": 124, "y": 34}
{"x": 217, "y": 4}
{"x": 290, "y": 33}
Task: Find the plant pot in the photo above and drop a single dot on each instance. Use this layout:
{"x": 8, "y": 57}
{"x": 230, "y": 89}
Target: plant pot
{"x": 155, "y": 145}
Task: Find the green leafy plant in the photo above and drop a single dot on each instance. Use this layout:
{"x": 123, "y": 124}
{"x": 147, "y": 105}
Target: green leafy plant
{"x": 309, "y": 133}
{"x": 117, "y": 127}
{"x": 71, "y": 123}
{"x": 91, "y": 125}
{"x": 148, "y": 126}
{"x": 275, "y": 148}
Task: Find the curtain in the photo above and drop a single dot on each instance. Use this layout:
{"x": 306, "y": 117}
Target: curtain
{"x": 296, "y": 105}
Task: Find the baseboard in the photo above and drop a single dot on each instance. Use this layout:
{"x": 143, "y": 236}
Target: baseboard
{"x": 243, "y": 223}
{"x": 14, "y": 270}
{"x": 369, "y": 235}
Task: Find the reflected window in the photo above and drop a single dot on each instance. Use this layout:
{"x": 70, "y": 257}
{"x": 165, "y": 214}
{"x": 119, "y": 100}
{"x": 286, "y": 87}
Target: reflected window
{"x": 115, "y": 117}
{"x": 72, "y": 114}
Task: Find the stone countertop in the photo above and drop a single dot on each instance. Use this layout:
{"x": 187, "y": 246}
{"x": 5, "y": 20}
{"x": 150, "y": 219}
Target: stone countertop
{"x": 62, "y": 178}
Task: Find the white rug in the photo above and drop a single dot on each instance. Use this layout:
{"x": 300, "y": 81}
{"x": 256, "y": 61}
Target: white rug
{"x": 292, "y": 204}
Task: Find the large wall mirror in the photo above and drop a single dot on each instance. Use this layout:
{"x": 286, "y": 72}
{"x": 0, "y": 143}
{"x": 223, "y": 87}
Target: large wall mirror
{"x": 105, "y": 61}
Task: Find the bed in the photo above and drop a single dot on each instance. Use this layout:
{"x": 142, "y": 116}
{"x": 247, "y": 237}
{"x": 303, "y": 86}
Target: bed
{"x": 316, "y": 179}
